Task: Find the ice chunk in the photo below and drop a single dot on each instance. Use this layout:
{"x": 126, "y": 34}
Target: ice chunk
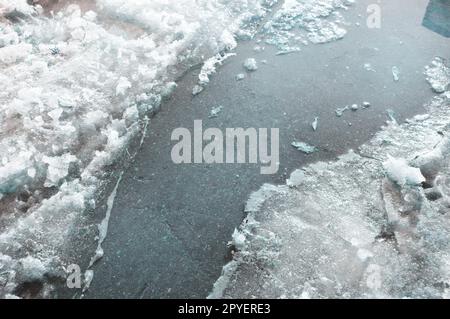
{"x": 250, "y": 64}
{"x": 240, "y": 76}
{"x": 58, "y": 167}
{"x": 297, "y": 177}
{"x": 238, "y": 239}
{"x": 398, "y": 170}
{"x": 197, "y": 89}
{"x": 304, "y": 147}
{"x": 32, "y": 269}
{"x": 396, "y": 73}
{"x": 391, "y": 115}
{"x": 215, "y": 111}
{"x": 340, "y": 111}
{"x": 369, "y": 67}
{"x": 315, "y": 123}
{"x": 438, "y": 75}
{"x": 366, "y": 104}
{"x": 354, "y": 107}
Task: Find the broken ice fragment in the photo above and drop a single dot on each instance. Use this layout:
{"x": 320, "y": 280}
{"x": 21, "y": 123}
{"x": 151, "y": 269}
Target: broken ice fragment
{"x": 296, "y": 178}
{"x": 240, "y": 76}
{"x": 369, "y": 67}
{"x": 215, "y": 111}
{"x": 340, "y": 111}
{"x": 58, "y": 168}
{"x": 421, "y": 117}
{"x": 250, "y": 64}
{"x": 197, "y": 89}
{"x": 238, "y": 239}
{"x": 284, "y": 52}
{"x": 398, "y": 170}
{"x": 396, "y": 73}
{"x": 391, "y": 115}
{"x": 366, "y": 104}
{"x": 315, "y": 123}
{"x": 304, "y": 147}
{"x": 438, "y": 75}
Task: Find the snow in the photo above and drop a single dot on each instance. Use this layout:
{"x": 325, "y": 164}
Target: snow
{"x": 364, "y": 226}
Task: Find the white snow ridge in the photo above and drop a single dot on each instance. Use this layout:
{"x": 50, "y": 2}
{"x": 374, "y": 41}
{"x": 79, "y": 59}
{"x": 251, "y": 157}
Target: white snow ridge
{"x": 374, "y": 224}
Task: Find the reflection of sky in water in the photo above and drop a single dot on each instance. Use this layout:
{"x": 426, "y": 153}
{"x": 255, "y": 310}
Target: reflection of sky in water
{"x": 437, "y": 17}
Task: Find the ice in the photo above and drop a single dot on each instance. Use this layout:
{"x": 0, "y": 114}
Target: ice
{"x": 315, "y": 123}
{"x": 304, "y": 147}
{"x": 372, "y": 224}
{"x": 250, "y": 64}
{"x": 299, "y": 22}
{"x": 197, "y": 89}
{"x": 438, "y": 74}
{"x": 396, "y": 73}
{"x": 391, "y": 114}
{"x": 354, "y": 107}
{"x": 122, "y": 86}
{"x": 369, "y": 67}
{"x": 240, "y": 76}
{"x": 215, "y": 111}
{"x": 366, "y": 104}
{"x": 340, "y": 111}
{"x": 103, "y": 226}
{"x": 208, "y": 68}
{"x": 399, "y": 171}
{"x": 58, "y": 167}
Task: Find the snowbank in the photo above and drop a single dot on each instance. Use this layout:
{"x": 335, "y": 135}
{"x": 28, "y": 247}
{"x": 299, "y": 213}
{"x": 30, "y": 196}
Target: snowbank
{"x": 374, "y": 224}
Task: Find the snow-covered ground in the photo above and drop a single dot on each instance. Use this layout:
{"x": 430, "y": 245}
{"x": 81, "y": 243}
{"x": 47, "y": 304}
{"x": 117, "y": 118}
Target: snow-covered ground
{"x": 77, "y": 85}
{"x": 373, "y": 224}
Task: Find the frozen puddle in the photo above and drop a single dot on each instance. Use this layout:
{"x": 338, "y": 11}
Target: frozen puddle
{"x": 373, "y": 224}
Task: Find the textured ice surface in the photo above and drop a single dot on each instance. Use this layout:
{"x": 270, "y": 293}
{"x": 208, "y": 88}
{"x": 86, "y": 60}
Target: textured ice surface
{"x": 74, "y": 89}
{"x": 299, "y": 22}
{"x": 373, "y": 224}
